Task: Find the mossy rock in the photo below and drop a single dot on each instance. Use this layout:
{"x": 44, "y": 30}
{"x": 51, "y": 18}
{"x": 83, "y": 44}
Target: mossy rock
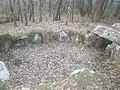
{"x": 75, "y": 37}
{"x": 48, "y": 36}
{"x": 34, "y": 36}
{"x": 21, "y": 40}
{"x": 6, "y": 42}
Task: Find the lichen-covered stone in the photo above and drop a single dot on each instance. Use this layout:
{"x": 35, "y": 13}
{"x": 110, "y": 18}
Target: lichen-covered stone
{"x": 90, "y": 40}
{"x": 116, "y": 25}
{"x": 107, "y": 33}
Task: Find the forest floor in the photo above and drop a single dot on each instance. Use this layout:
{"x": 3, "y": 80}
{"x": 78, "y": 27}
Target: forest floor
{"x": 50, "y": 62}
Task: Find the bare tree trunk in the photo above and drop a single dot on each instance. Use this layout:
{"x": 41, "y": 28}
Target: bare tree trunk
{"x": 117, "y": 12}
{"x": 12, "y": 13}
{"x": 72, "y": 11}
{"x": 40, "y": 9}
{"x": 68, "y": 14}
{"x": 50, "y": 8}
{"x": 57, "y": 14}
{"x": 80, "y": 6}
{"x": 25, "y": 13}
{"x": 89, "y": 11}
{"x": 2, "y": 6}
{"x": 99, "y": 10}
{"x": 30, "y": 14}
{"x": 20, "y": 12}
{"x": 32, "y": 10}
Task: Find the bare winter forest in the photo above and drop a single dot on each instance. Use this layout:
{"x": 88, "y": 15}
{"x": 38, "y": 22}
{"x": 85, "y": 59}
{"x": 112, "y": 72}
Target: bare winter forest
{"x": 59, "y": 44}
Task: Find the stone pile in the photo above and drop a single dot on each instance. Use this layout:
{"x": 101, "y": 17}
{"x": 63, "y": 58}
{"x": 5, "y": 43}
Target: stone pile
{"x": 35, "y": 37}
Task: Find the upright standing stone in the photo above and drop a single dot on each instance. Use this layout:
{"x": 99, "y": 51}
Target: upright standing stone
{"x": 90, "y": 40}
{"x": 37, "y": 38}
{"x": 64, "y": 37}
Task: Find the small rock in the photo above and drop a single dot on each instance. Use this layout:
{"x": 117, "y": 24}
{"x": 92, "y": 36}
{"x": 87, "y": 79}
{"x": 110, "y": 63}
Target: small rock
{"x": 22, "y": 40}
{"x": 64, "y": 37}
{"x": 78, "y": 71}
{"x": 75, "y": 39}
{"x": 18, "y": 62}
{"x": 37, "y": 38}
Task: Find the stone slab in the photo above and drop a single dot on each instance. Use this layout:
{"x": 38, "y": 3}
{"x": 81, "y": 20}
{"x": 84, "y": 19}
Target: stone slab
{"x": 107, "y": 33}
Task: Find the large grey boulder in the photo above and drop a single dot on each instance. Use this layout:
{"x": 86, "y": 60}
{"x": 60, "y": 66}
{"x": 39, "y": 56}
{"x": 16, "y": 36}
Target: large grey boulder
{"x": 4, "y": 73}
{"x": 107, "y": 33}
